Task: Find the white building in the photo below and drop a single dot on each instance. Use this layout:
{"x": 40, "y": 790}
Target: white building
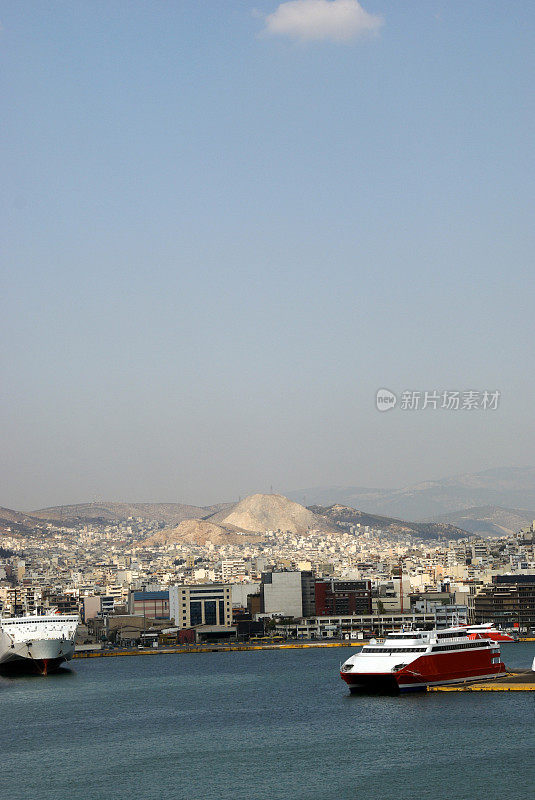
{"x": 230, "y": 568}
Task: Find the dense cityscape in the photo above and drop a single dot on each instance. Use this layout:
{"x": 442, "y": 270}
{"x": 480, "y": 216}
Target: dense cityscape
{"x": 353, "y": 582}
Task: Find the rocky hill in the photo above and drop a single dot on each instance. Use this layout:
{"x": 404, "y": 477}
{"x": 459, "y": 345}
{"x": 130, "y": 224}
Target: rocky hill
{"x": 422, "y": 530}
{"x": 272, "y": 512}
{"x": 198, "y": 532}
{"x": 246, "y": 521}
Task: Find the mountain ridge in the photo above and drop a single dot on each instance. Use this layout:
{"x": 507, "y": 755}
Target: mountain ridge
{"x": 398, "y": 527}
{"x": 171, "y": 513}
{"x": 505, "y": 487}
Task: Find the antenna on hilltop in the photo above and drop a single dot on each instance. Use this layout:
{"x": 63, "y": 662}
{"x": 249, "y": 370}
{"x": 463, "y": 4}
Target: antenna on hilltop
{"x": 271, "y": 489}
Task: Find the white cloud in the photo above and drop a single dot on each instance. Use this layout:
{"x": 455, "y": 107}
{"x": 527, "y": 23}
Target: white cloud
{"x": 334, "y": 20}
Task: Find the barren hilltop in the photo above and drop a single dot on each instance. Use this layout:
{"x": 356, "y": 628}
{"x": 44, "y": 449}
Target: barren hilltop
{"x": 248, "y": 520}
{"x": 272, "y": 512}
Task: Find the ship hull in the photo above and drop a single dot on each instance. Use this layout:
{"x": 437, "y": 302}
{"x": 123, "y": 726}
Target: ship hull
{"x": 36, "y": 643}
{"x": 41, "y": 657}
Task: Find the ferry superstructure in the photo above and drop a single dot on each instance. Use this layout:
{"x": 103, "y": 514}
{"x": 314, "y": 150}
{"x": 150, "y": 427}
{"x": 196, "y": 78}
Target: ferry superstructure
{"x": 412, "y": 660}
{"x": 489, "y": 631}
{"x": 34, "y": 643}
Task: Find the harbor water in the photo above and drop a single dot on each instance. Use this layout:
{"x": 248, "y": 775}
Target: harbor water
{"x": 263, "y": 725}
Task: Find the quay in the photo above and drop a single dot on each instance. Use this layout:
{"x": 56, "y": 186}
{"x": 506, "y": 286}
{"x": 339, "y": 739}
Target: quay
{"x": 522, "y": 680}
{"x": 226, "y": 648}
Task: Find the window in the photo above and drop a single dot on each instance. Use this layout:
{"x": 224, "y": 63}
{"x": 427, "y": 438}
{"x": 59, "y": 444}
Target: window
{"x": 195, "y": 613}
{"x": 210, "y": 612}
{"x": 461, "y": 646}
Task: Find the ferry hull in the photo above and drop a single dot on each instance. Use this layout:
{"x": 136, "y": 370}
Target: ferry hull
{"x": 40, "y": 656}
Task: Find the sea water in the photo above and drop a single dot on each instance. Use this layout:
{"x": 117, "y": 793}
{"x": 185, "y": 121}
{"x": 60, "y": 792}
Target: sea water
{"x": 257, "y": 725}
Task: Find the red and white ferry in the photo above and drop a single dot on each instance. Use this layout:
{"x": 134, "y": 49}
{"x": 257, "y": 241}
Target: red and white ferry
{"x": 413, "y": 660}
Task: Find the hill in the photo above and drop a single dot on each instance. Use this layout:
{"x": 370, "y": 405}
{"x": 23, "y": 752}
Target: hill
{"x": 197, "y": 532}
{"x": 8, "y": 515}
{"x": 13, "y": 522}
{"x": 246, "y": 521}
{"x": 506, "y": 487}
{"x": 272, "y": 512}
{"x": 422, "y": 530}
{"x": 169, "y": 513}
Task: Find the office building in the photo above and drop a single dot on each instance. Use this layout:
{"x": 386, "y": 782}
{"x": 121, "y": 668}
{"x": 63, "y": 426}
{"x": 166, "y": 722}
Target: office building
{"x": 343, "y": 597}
{"x": 203, "y": 604}
{"x": 288, "y": 594}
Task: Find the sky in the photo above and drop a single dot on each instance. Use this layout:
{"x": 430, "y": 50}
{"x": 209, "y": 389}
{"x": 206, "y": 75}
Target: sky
{"x": 226, "y": 225}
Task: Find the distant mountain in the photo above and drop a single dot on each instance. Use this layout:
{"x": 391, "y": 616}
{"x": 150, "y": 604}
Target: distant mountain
{"x": 422, "y": 530}
{"x": 489, "y": 520}
{"x": 507, "y": 487}
{"x": 271, "y": 512}
{"x": 169, "y": 513}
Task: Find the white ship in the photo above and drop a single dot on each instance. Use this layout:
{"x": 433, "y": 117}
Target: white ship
{"x": 38, "y": 644}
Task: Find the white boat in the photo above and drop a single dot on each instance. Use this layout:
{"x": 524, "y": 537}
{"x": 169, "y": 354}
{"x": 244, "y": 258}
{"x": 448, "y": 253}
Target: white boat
{"x": 38, "y": 644}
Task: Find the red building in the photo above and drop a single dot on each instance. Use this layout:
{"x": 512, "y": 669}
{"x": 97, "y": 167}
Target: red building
{"x": 337, "y": 597}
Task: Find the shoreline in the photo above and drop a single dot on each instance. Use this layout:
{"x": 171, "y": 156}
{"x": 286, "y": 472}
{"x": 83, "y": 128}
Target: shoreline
{"x": 208, "y": 649}
{"x": 225, "y": 648}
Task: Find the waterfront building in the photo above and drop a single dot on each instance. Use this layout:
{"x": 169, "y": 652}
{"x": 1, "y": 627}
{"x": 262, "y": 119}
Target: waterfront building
{"x": 241, "y": 592}
{"x": 358, "y": 626}
{"x": 288, "y": 594}
{"x": 509, "y": 602}
{"x": 203, "y": 604}
{"x": 91, "y": 607}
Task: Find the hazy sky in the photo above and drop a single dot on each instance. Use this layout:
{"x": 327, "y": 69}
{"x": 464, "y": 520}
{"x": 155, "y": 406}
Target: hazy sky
{"x": 225, "y": 225}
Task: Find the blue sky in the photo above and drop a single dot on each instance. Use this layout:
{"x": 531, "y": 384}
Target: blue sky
{"x": 219, "y": 240}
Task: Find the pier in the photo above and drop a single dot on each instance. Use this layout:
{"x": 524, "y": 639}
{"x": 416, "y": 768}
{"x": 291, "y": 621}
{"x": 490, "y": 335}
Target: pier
{"x": 518, "y": 681}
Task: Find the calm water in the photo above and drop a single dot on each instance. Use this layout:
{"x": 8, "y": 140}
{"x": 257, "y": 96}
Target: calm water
{"x": 257, "y": 725}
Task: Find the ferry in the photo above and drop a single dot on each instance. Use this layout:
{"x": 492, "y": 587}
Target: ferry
{"x": 489, "y": 631}
{"x": 37, "y": 644}
{"x": 413, "y": 660}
